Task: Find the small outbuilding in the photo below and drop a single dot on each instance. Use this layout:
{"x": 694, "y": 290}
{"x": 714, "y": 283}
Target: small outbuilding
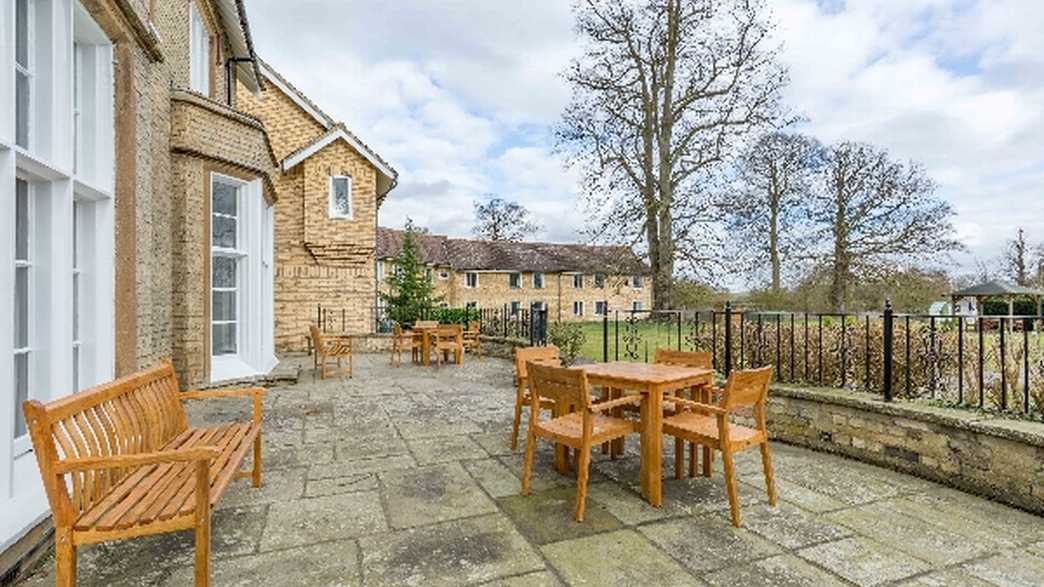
{"x": 997, "y": 289}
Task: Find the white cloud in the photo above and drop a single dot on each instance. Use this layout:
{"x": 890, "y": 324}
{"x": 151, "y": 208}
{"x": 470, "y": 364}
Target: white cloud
{"x": 459, "y": 96}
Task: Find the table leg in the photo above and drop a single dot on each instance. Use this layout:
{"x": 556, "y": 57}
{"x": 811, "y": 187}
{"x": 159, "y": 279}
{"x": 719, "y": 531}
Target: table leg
{"x": 617, "y": 449}
{"x": 652, "y": 447}
{"x": 561, "y": 450}
{"x": 425, "y": 349}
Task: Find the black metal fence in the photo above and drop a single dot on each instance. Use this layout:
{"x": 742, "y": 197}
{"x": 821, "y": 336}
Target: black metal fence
{"x": 507, "y": 322}
{"x": 991, "y": 362}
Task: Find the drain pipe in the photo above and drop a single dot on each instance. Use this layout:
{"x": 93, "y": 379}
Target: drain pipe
{"x": 229, "y": 81}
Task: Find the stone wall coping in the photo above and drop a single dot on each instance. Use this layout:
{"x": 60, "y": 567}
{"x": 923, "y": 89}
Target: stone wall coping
{"x": 183, "y": 95}
{"x": 1025, "y": 431}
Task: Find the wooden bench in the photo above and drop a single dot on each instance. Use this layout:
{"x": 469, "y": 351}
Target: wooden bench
{"x": 120, "y": 460}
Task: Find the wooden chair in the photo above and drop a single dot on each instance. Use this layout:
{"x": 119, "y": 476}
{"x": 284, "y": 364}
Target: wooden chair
{"x": 449, "y": 339}
{"x": 402, "y": 340}
{"x": 472, "y": 343}
{"x": 331, "y": 347}
{"x": 709, "y": 425}
{"x": 120, "y": 460}
{"x": 580, "y": 429}
{"x": 547, "y": 355}
{"x": 701, "y": 360}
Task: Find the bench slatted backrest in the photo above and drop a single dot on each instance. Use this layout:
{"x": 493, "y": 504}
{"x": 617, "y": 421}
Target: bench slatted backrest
{"x": 135, "y": 414}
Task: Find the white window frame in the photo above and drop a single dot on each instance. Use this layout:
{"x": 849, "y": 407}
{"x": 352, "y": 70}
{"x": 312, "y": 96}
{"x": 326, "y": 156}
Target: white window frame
{"x": 515, "y": 280}
{"x": 334, "y": 212}
{"x": 238, "y": 254}
{"x": 379, "y": 271}
{"x": 21, "y": 442}
{"x": 578, "y": 281}
{"x": 443, "y": 275}
{"x": 471, "y": 280}
{"x": 578, "y": 308}
{"x": 538, "y": 280}
{"x": 472, "y": 305}
{"x": 199, "y": 51}
{"x": 28, "y": 71}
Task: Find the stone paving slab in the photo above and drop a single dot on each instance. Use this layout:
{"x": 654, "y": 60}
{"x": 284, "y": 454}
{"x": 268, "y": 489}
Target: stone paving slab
{"x": 405, "y": 476}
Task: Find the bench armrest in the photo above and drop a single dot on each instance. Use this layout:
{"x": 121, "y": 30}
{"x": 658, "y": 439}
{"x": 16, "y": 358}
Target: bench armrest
{"x": 255, "y": 392}
{"x": 180, "y": 455}
{"x": 620, "y": 401}
{"x": 210, "y": 393}
{"x": 696, "y": 406}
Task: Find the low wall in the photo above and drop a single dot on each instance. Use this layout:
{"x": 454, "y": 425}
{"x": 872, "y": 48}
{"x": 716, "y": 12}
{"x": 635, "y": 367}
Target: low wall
{"x": 980, "y": 453}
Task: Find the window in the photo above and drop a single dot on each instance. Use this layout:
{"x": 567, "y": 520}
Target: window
{"x": 427, "y": 273}
{"x": 538, "y": 280}
{"x": 22, "y": 295}
{"x": 340, "y": 197}
{"x": 199, "y": 58}
{"x": 600, "y": 309}
{"x": 226, "y": 256}
{"x": 471, "y": 305}
{"x": 636, "y": 282}
{"x": 538, "y": 305}
{"x": 599, "y": 280}
{"x": 636, "y": 306}
{"x": 24, "y": 94}
{"x": 578, "y": 281}
{"x": 471, "y": 280}
{"x": 380, "y": 271}
{"x": 77, "y": 280}
{"x": 515, "y": 307}
{"x": 443, "y": 275}
{"x": 515, "y": 280}
{"x": 578, "y": 308}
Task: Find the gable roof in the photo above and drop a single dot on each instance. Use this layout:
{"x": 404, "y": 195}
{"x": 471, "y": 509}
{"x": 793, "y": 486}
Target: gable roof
{"x": 387, "y": 176}
{"x": 481, "y": 255}
{"x": 997, "y": 288}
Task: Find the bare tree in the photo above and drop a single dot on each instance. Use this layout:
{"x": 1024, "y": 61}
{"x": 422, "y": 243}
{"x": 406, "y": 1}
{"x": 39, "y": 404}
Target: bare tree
{"x": 662, "y": 92}
{"x": 876, "y": 214}
{"x": 501, "y": 220}
{"x": 1016, "y": 261}
{"x": 765, "y": 211}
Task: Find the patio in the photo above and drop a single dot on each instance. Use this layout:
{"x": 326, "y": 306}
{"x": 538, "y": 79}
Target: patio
{"x": 404, "y": 476}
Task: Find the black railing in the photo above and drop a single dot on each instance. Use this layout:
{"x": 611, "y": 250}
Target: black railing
{"x": 992, "y": 362}
{"x": 507, "y": 322}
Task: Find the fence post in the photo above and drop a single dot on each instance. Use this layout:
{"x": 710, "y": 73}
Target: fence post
{"x": 505, "y": 317}
{"x": 605, "y": 331}
{"x": 728, "y": 338}
{"x": 888, "y": 343}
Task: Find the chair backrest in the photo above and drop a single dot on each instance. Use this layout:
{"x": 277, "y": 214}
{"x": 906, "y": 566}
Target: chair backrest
{"x": 747, "y": 388}
{"x": 426, "y": 324}
{"x": 702, "y": 360}
{"x": 524, "y": 355}
{"x": 474, "y": 326}
{"x": 450, "y": 330}
{"x": 135, "y": 414}
{"x": 397, "y": 330}
{"x": 317, "y": 337}
{"x": 564, "y": 386}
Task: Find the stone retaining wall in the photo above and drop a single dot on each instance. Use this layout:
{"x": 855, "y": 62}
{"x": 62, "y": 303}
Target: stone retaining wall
{"x": 980, "y": 453}
{"x": 492, "y": 346}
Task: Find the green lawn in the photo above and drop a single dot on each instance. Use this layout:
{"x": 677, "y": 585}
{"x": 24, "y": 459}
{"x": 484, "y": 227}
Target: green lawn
{"x": 652, "y": 335}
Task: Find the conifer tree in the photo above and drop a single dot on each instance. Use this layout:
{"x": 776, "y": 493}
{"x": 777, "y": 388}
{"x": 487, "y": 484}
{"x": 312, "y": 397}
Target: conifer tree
{"x": 411, "y": 293}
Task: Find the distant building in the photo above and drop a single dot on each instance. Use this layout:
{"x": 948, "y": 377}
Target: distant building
{"x": 574, "y": 282}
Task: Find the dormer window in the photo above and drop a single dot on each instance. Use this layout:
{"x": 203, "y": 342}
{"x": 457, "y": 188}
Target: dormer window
{"x": 199, "y": 52}
{"x": 340, "y": 197}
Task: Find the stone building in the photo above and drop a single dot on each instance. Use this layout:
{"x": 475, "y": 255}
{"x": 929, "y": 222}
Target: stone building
{"x": 331, "y": 185}
{"x": 574, "y": 282}
{"x": 138, "y": 199}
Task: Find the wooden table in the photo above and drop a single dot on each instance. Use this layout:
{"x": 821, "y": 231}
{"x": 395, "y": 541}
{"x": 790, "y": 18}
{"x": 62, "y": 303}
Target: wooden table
{"x": 653, "y": 382}
{"x": 425, "y": 334}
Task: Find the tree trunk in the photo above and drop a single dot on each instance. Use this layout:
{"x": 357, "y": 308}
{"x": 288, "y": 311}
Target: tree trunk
{"x": 774, "y": 200}
{"x": 841, "y": 265}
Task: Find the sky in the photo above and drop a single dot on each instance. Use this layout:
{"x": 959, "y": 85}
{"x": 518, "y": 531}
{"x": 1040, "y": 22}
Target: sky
{"x": 461, "y": 96}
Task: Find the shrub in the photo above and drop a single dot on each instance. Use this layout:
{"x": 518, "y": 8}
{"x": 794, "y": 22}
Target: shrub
{"x": 569, "y": 337}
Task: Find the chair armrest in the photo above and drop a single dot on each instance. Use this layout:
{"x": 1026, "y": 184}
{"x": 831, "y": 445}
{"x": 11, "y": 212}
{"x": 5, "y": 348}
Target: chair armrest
{"x": 696, "y": 406}
{"x": 620, "y": 401}
{"x": 180, "y": 455}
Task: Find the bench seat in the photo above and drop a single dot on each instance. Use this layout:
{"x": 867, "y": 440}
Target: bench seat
{"x": 161, "y": 492}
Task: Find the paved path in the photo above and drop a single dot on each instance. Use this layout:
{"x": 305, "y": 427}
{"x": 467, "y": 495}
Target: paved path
{"x": 404, "y": 477}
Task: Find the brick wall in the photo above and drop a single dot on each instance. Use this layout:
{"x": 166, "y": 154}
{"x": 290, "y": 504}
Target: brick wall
{"x": 494, "y": 291}
{"x": 289, "y": 127}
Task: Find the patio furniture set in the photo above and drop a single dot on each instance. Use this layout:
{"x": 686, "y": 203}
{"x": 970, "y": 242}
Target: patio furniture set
{"x": 429, "y": 340}
{"x": 579, "y": 422}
